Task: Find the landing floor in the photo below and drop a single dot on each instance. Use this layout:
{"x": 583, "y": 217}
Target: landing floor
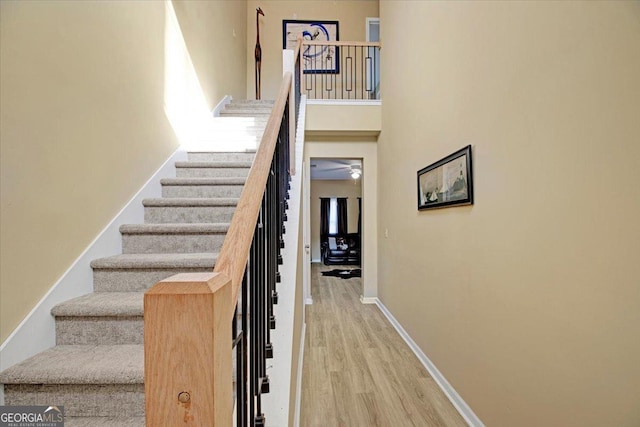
{"x": 357, "y": 370}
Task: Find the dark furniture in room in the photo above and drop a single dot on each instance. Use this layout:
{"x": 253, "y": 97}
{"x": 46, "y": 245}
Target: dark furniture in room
{"x": 341, "y": 249}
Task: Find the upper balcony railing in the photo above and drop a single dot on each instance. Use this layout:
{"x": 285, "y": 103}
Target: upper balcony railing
{"x": 340, "y": 70}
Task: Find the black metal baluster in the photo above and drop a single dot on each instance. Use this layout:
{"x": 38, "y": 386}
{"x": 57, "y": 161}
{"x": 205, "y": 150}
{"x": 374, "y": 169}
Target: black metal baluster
{"x": 264, "y": 316}
{"x": 240, "y": 344}
{"x": 362, "y": 72}
{"x": 257, "y": 417}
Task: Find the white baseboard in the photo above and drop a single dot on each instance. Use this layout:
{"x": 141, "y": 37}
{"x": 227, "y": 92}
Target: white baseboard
{"x": 308, "y": 301}
{"x": 316, "y": 261}
{"x": 465, "y": 411}
{"x": 368, "y": 300}
{"x": 218, "y": 108}
{"x": 296, "y": 415}
{"x": 36, "y": 332}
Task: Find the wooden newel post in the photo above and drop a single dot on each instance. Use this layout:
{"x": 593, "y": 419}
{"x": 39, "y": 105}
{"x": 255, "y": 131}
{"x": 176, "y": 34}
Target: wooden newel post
{"x": 187, "y": 351}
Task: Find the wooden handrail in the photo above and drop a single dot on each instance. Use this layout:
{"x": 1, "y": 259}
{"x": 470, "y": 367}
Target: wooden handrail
{"x": 234, "y": 254}
{"x": 337, "y": 43}
{"x": 296, "y": 51}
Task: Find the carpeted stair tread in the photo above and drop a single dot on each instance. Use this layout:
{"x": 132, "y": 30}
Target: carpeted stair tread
{"x": 226, "y": 165}
{"x": 253, "y": 101}
{"x": 189, "y": 228}
{"x": 150, "y": 261}
{"x": 256, "y": 109}
{"x": 104, "y": 422}
{"x": 187, "y": 202}
{"x": 204, "y": 181}
{"x": 247, "y": 151}
{"x": 81, "y": 364}
{"x": 99, "y": 304}
{"x": 227, "y": 121}
{"x": 245, "y": 112}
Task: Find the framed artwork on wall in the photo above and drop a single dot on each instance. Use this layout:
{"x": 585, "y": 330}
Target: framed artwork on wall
{"x": 317, "y": 59}
{"x": 447, "y": 182}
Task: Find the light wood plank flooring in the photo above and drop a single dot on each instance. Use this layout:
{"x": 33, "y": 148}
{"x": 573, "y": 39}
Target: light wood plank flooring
{"x": 357, "y": 369}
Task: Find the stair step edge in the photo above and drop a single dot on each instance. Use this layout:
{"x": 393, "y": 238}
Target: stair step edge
{"x": 178, "y": 228}
{"x": 104, "y": 421}
{"x": 203, "y": 181}
{"x": 226, "y": 165}
{"x": 247, "y": 151}
{"x": 102, "y": 304}
{"x": 188, "y": 202}
{"x": 152, "y": 261}
{"x": 80, "y": 364}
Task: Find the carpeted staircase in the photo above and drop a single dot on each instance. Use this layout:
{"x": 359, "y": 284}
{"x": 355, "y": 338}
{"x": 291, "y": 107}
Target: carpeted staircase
{"x": 96, "y": 368}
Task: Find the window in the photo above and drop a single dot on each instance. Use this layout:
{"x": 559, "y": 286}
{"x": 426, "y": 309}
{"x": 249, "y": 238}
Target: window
{"x": 333, "y": 216}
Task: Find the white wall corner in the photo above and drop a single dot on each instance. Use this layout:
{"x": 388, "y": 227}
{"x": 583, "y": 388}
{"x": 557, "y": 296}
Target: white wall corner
{"x": 36, "y": 332}
{"x": 461, "y": 406}
{"x": 218, "y": 108}
{"x": 296, "y": 416}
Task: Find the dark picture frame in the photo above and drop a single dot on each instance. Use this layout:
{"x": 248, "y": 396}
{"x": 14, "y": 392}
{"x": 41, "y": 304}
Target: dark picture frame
{"x": 317, "y": 59}
{"x": 447, "y": 182}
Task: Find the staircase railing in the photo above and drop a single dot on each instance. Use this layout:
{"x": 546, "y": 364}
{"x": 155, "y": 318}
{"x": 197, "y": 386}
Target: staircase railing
{"x": 340, "y": 70}
{"x": 188, "y": 317}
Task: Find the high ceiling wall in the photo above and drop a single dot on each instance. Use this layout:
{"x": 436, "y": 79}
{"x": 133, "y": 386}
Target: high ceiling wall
{"x": 528, "y": 301}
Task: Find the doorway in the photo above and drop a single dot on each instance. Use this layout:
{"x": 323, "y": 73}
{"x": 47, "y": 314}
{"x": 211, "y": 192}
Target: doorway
{"x": 335, "y": 212}
{"x": 373, "y": 72}
{"x": 335, "y": 187}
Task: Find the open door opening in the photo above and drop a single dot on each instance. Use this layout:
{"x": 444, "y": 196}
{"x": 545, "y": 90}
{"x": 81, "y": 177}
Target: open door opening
{"x": 335, "y": 213}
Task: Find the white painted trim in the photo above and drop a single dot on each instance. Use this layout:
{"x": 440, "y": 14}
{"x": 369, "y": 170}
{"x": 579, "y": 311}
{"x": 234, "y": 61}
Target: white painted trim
{"x": 368, "y": 300}
{"x": 308, "y": 301}
{"x": 368, "y": 22}
{"x": 316, "y": 261}
{"x": 36, "y": 332}
{"x": 218, "y": 108}
{"x": 296, "y": 415}
{"x": 344, "y": 102}
{"x": 467, "y": 413}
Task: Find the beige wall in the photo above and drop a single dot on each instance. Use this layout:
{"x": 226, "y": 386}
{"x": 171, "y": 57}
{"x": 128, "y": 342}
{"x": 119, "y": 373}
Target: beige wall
{"x": 350, "y": 14}
{"x": 339, "y": 188}
{"x": 528, "y": 301}
{"x": 216, "y": 35}
{"x": 83, "y": 125}
{"x": 340, "y": 118}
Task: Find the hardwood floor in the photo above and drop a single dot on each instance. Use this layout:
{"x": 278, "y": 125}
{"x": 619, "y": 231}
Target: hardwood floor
{"x": 357, "y": 370}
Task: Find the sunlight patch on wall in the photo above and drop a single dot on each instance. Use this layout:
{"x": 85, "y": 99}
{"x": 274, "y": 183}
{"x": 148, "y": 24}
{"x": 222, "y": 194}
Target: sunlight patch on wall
{"x": 185, "y": 104}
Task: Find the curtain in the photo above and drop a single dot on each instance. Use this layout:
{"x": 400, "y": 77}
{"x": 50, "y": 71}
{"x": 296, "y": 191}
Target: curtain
{"x": 343, "y": 225}
{"x": 359, "y": 216}
{"x": 325, "y": 208}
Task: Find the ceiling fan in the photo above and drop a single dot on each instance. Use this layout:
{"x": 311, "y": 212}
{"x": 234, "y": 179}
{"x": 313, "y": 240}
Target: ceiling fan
{"x": 343, "y": 166}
